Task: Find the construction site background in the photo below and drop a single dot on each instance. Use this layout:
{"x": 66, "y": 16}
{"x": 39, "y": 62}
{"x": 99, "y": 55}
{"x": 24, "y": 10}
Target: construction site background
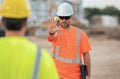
{"x": 105, "y": 39}
{"x": 105, "y": 53}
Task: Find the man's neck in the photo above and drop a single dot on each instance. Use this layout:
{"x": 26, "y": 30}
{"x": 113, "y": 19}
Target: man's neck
{"x": 14, "y": 33}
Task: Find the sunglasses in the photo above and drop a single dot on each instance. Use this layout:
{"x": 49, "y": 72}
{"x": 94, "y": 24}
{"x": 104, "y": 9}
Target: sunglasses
{"x": 64, "y": 17}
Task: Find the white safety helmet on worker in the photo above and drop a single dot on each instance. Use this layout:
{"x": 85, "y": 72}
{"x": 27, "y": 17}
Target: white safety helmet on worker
{"x": 65, "y": 9}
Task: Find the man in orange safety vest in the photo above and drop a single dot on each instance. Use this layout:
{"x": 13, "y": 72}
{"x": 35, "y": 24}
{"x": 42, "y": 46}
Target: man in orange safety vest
{"x": 70, "y": 44}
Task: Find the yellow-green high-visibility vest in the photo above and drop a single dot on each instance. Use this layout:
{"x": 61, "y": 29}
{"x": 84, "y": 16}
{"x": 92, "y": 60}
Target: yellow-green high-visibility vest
{"x": 21, "y": 59}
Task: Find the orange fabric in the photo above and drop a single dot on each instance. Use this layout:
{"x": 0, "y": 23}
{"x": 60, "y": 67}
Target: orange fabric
{"x": 67, "y": 41}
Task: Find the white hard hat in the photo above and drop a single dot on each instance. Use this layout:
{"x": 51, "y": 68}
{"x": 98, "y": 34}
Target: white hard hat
{"x": 65, "y": 9}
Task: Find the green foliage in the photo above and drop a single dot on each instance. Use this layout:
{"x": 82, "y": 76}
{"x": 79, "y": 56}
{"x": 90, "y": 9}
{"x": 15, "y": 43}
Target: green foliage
{"x": 110, "y": 10}
{"x": 92, "y": 11}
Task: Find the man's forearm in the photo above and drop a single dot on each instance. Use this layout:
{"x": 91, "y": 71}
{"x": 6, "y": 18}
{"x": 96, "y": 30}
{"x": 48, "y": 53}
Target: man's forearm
{"x": 87, "y": 62}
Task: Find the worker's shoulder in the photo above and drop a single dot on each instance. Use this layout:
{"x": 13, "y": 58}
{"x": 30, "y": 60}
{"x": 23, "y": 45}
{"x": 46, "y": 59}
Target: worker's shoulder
{"x": 46, "y": 56}
{"x": 81, "y": 30}
{"x": 83, "y": 34}
{"x": 17, "y": 42}
{"x": 45, "y": 53}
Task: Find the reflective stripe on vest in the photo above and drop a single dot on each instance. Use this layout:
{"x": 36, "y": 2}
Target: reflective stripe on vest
{"x": 66, "y": 60}
{"x": 59, "y": 32}
{"x": 37, "y": 64}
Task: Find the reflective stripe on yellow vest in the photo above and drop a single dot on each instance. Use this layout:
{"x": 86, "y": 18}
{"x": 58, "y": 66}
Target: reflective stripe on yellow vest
{"x": 37, "y": 64}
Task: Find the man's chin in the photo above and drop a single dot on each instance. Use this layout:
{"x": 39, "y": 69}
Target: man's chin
{"x": 65, "y": 27}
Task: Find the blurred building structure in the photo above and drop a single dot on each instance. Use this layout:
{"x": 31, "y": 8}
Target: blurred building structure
{"x": 104, "y": 20}
{"x": 44, "y": 9}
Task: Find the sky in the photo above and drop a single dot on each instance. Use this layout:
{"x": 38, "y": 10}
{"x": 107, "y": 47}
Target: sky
{"x": 101, "y": 3}
{"x": 98, "y": 3}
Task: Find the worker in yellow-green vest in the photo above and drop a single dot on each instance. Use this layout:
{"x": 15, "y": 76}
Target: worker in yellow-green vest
{"x": 19, "y": 57}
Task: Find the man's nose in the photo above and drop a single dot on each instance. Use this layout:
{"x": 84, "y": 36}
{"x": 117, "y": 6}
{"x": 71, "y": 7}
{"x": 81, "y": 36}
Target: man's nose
{"x": 64, "y": 19}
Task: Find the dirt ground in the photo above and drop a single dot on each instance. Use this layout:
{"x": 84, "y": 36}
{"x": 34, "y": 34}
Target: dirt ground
{"x": 105, "y": 57}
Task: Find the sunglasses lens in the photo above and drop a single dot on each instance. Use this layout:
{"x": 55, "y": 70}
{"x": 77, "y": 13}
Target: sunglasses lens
{"x": 66, "y": 18}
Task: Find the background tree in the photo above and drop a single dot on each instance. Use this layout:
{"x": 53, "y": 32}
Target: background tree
{"x": 110, "y": 10}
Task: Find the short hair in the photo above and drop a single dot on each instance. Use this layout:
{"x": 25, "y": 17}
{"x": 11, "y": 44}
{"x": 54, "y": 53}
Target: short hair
{"x": 13, "y": 23}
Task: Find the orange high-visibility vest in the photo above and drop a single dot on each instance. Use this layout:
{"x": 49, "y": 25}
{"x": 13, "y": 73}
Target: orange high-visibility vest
{"x": 67, "y": 47}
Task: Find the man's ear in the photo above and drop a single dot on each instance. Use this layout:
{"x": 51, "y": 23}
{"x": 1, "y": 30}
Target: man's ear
{"x": 24, "y": 29}
{"x": 25, "y": 23}
{"x": 2, "y": 24}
